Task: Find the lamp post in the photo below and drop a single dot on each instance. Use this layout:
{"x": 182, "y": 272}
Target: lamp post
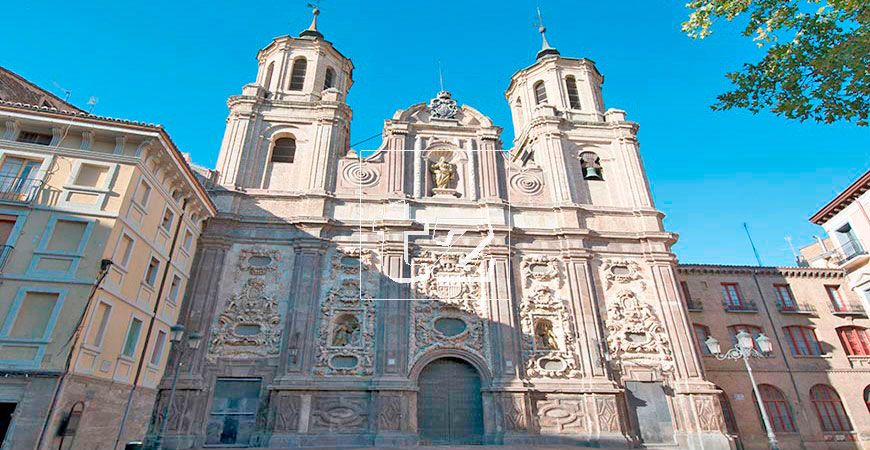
{"x": 176, "y": 334}
{"x": 744, "y": 349}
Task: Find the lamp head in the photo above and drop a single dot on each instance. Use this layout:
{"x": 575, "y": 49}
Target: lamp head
{"x": 713, "y": 345}
{"x": 176, "y": 332}
{"x": 193, "y": 340}
{"x": 744, "y": 340}
{"x": 764, "y": 344}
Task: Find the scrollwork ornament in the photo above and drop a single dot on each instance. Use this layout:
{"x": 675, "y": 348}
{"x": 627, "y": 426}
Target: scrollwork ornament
{"x": 635, "y": 334}
{"x": 624, "y": 272}
{"x": 249, "y": 326}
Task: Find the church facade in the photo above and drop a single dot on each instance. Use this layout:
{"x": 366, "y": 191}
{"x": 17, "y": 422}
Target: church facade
{"x": 440, "y": 289}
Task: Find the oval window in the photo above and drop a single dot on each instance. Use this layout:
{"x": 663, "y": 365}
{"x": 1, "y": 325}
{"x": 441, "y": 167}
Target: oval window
{"x": 343, "y": 362}
{"x": 259, "y": 261}
{"x": 247, "y": 329}
{"x": 620, "y": 270}
{"x": 552, "y": 364}
{"x": 450, "y": 326}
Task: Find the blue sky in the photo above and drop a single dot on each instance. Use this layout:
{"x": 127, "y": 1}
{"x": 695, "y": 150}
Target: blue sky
{"x": 175, "y": 63}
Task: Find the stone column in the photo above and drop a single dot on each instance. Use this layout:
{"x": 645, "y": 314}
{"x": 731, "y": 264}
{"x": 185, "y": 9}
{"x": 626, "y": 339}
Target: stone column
{"x": 300, "y": 329}
{"x": 502, "y": 322}
{"x": 587, "y": 315}
{"x": 488, "y": 169}
{"x": 395, "y": 162}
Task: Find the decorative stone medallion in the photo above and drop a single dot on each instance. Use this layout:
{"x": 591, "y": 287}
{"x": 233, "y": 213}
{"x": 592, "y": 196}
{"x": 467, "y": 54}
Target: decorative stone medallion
{"x": 635, "y": 335}
{"x": 249, "y": 326}
{"x": 258, "y": 260}
{"x": 443, "y": 106}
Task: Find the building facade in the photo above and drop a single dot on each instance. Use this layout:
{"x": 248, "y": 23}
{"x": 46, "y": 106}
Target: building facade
{"x": 99, "y": 221}
{"x": 816, "y": 381}
{"x": 439, "y": 289}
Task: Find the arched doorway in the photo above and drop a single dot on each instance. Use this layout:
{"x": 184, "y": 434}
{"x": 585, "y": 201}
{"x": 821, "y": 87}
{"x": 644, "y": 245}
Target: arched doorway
{"x": 449, "y": 404}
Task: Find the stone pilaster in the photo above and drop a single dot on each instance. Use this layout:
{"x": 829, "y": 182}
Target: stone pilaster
{"x": 300, "y": 330}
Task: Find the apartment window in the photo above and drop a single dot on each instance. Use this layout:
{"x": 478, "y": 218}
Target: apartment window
{"x": 731, "y": 294}
{"x": 168, "y": 218}
{"x": 784, "y": 296}
{"x": 31, "y": 137}
{"x": 132, "y": 338}
{"x": 684, "y": 286}
{"x": 835, "y": 298}
{"x": 159, "y": 343}
{"x": 297, "y": 74}
{"x": 91, "y": 175}
{"x": 66, "y": 236}
{"x": 188, "y": 240}
{"x": 702, "y": 332}
{"x": 855, "y": 341}
{"x": 573, "y": 95}
{"x": 233, "y": 412}
{"x": 143, "y": 194}
{"x": 778, "y": 409}
{"x": 802, "y": 341}
{"x": 753, "y": 330}
{"x": 125, "y": 249}
{"x": 33, "y": 317}
{"x": 829, "y": 409}
{"x": 284, "y": 150}
{"x": 17, "y": 174}
{"x": 329, "y": 78}
{"x": 174, "y": 287}
{"x": 540, "y": 93}
{"x": 151, "y": 273}
{"x": 7, "y": 223}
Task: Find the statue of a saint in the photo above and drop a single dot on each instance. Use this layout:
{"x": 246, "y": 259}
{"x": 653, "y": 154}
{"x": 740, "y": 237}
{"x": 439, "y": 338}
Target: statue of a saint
{"x": 345, "y": 332}
{"x": 442, "y": 173}
{"x": 545, "y": 339}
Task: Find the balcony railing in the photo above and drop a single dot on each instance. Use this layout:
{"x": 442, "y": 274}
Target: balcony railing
{"x": 848, "y": 309}
{"x": 743, "y": 306}
{"x": 694, "y": 305}
{"x": 19, "y": 190}
{"x": 5, "y": 251}
{"x": 795, "y": 308}
{"x": 847, "y": 252}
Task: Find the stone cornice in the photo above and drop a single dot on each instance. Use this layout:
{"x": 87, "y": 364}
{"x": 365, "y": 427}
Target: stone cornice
{"x": 795, "y": 272}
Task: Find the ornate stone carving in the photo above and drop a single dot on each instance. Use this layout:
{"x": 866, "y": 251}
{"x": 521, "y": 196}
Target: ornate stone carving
{"x": 622, "y": 271}
{"x": 249, "y": 326}
{"x": 339, "y": 413}
{"x": 258, "y": 260}
{"x": 182, "y": 412}
{"x": 527, "y": 183}
{"x": 360, "y": 174}
{"x": 446, "y": 289}
{"x": 347, "y": 314}
{"x": 443, "y": 106}
{"x": 286, "y": 409}
{"x": 513, "y": 411}
{"x": 635, "y": 334}
{"x": 607, "y": 414}
{"x": 390, "y": 416}
{"x": 709, "y": 413}
{"x": 561, "y": 415}
{"x": 442, "y": 173}
{"x": 548, "y": 333}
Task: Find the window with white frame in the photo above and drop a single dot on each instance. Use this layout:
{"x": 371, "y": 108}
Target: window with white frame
{"x": 143, "y": 193}
{"x": 18, "y": 175}
{"x": 188, "y": 240}
{"x": 99, "y": 323}
{"x": 159, "y": 344}
{"x": 168, "y": 218}
{"x": 151, "y": 272}
{"x": 174, "y": 288}
{"x": 124, "y": 250}
{"x": 132, "y": 338}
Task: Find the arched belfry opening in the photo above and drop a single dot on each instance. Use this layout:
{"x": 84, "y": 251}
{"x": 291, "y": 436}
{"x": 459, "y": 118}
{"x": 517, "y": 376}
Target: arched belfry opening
{"x": 449, "y": 403}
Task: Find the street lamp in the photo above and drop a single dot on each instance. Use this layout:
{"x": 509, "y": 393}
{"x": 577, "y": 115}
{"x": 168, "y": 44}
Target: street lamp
{"x": 176, "y": 334}
{"x": 744, "y": 349}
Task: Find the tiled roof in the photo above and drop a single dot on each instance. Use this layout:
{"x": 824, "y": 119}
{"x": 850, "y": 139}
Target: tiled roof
{"x": 840, "y": 202}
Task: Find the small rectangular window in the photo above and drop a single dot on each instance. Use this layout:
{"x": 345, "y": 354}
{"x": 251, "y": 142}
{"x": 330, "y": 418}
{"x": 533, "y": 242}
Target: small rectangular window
{"x": 188, "y": 240}
{"x": 143, "y": 194}
{"x": 784, "y": 296}
{"x": 151, "y": 273}
{"x": 168, "y": 218}
{"x": 159, "y": 343}
{"x": 66, "y": 236}
{"x": 836, "y": 299}
{"x": 7, "y": 224}
{"x": 31, "y": 137}
{"x": 91, "y": 175}
{"x": 132, "y": 338}
{"x": 174, "y": 287}
{"x": 17, "y": 176}
{"x": 731, "y": 294}
{"x": 125, "y": 249}
{"x": 34, "y": 315}
{"x": 99, "y": 324}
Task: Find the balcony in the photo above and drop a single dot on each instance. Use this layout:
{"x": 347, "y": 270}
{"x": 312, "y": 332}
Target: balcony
{"x": 694, "y": 305}
{"x": 19, "y": 190}
{"x": 848, "y": 309}
{"x": 5, "y": 251}
{"x": 848, "y": 253}
{"x": 795, "y": 308}
{"x": 743, "y": 306}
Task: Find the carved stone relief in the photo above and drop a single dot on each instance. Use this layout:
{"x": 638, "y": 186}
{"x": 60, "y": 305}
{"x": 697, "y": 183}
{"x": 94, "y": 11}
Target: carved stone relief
{"x": 345, "y": 413}
{"x": 561, "y": 415}
{"x": 607, "y": 413}
{"x": 361, "y": 174}
{"x": 347, "y": 314}
{"x": 258, "y": 261}
{"x": 249, "y": 326}
{"x": 390, "y": 417}
{"x": 513, "y": 411}
{"x": 548, "y": 334}
{"x": 709, "y": 413}
{"x": 447, "y": 310}
{"x": 286, "y": 412}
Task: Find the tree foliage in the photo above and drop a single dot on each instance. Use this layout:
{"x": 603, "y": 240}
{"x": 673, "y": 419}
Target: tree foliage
{"x": 817, "y": 60}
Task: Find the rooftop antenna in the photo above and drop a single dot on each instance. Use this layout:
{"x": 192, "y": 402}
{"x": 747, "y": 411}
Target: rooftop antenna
{"x": 791, "y": 246}
{"x": 92, "y": 102}
{"x": 752, "y": 243}
{"x": 66, "y": 92}
{"x": 440, "y": 77}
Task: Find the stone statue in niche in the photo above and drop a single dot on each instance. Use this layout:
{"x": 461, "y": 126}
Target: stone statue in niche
{"x": 346, "y": 331}
{"x": 442, "y": 173}
{"x": 545, "y": 339}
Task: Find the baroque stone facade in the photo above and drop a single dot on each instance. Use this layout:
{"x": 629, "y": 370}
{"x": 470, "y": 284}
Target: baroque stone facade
{"x": 351, "y": 298}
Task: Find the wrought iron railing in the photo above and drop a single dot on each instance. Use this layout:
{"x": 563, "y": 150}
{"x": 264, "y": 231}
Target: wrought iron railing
{"x": 795, "y": 308}
{"x": 847, "y": 308}
{"x": 848, "y": 251}
{"x": 18, "y": 189}
{"x": 5, "y": 251}
{"x": 743, "y": 306}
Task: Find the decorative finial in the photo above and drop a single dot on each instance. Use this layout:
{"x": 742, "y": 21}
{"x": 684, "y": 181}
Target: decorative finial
{"x": 440, "y": 77}
{"x": 311, "y": 31}
{"x": 545, "y": 46}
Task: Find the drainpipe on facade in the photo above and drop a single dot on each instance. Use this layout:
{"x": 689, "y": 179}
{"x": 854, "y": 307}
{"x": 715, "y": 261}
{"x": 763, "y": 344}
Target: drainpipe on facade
{"x": 151, "y": 321}
{"x": 74, "y": 339}
{"x": 778, "y": 340}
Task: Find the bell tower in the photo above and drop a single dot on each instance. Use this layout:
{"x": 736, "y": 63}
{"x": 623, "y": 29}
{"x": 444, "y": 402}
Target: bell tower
{"x": 287, "y": 129}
